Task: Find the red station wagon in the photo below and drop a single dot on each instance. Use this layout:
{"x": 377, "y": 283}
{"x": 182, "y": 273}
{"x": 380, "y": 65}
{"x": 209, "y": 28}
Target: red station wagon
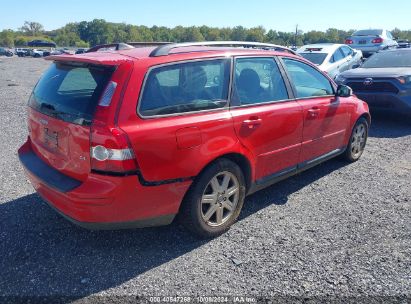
{"x": 133, "y": 137}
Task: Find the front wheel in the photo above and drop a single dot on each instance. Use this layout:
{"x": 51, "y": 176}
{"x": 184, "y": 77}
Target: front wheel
{"x": 215, "y": 199}
{"x": 357, "y": 141}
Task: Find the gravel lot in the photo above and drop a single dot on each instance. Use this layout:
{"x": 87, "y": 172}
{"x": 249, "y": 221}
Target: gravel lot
{"x": 336, "y": 232}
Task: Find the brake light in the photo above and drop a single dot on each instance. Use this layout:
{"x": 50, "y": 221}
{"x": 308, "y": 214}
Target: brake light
{"x": 349, "y": 41}
{"x": 377, "y": 40}
{"x": 110, "y": 150}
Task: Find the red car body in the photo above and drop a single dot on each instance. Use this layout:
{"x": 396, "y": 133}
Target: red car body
{"x": 269, "y": 142}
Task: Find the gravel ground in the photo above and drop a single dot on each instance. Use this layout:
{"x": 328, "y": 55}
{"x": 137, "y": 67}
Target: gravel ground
{"x": 336, "y": 232}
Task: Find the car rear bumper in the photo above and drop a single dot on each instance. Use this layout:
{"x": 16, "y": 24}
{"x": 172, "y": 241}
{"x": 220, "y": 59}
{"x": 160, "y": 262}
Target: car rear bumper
{"x": 387, "y": 101}
{"x": 102, "y": 201}
{"x": 368, "y": 49}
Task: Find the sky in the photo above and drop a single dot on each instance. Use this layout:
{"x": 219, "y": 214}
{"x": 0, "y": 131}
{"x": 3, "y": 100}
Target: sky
{"x": 277, "y": 15}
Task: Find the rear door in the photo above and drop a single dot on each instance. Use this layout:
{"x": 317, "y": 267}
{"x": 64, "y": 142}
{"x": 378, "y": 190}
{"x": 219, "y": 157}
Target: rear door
{"x": 338, "y": 62}
{"x": 182, "y": 121}
{"x": 267, "y": 122}
{"x": 61, "y": 108}
{"x": 326, "y": 117}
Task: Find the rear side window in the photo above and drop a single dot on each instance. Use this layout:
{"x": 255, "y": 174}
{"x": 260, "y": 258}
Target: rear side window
{"x": 308, "y": 82}
{"x": 257, "y": 80}
{"x": 186, "y": 87}
{"x": 337, "y": 56}
{"x": 70, "y": 92}
{"x": 347, "y": 51}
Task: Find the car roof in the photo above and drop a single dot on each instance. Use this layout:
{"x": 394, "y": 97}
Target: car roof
{"x": 113, "y": 57}
{"x": 319, "y": 48}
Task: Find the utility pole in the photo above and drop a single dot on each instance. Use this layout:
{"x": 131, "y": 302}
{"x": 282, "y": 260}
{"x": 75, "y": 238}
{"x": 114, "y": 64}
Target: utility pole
{"x": 295, "y": 37}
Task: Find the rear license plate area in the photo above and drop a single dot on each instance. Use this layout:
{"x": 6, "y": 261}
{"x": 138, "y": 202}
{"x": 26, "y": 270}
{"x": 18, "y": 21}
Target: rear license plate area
{"x": 51, "y": 138}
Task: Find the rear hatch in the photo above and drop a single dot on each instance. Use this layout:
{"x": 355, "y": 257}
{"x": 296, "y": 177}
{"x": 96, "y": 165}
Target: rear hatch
{"x": 61, "y": 110}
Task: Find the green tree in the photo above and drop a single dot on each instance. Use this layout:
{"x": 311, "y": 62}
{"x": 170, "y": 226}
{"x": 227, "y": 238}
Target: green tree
{"x": 239, "y": 33}
{"x": 7, "y": 38}
{"x": 32, "y": 28}
{"x": 256, "y": 34}
{"x": 192, "y": 34}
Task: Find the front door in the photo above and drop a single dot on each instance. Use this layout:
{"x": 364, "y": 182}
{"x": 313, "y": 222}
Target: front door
{"x": 326, "y": 117}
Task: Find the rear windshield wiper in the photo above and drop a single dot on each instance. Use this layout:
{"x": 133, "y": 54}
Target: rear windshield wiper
{"x": 61, "y": 115}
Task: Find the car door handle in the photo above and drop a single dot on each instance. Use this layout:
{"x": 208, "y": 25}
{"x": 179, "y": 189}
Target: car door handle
{"x": 313, "y": 112}
{"x": 252, "y": 122}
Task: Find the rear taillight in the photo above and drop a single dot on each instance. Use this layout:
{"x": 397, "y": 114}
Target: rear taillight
{"x": 377, "y": 40}
{"x": 348, "y": 41}
{"x": 110, "y": 150}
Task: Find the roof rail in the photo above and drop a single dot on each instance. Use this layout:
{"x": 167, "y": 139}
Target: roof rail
{"x": 147, "y": 43}
{"x": 164, "y": 50}
{"x": 117, "y": 46}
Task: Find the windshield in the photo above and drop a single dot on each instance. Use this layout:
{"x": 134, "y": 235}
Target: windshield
{"x": 368, "y": 33}
{"x": 316, "y": 58}
{"x": 70, "y": 92}
{"x": 390, "y": 59}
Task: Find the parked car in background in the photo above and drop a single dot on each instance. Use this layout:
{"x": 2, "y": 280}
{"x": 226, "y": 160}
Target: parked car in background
{"x": 383, "y": 81}
{"x": 191, "y": 131}
{"x": 403, "y": 44}
{"x": 41, "y": 43}
{"x": 61, "y": 51}
{"x": 5, "y": 52}
{"x": 331, "y": 58}
{"x": 37, "y": 53}
{"x": 81, "y": 51}
{"x": 23, "y": 52}
{"x": 371, "y": 41}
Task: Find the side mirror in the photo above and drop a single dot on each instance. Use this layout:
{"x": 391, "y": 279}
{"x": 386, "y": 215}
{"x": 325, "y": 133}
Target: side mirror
{"x": 344, "y": 91}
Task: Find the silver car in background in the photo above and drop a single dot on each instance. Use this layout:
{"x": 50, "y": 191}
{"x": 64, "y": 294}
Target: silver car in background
{"x": 371, "y": 41}
{"x": 331, "y": 58}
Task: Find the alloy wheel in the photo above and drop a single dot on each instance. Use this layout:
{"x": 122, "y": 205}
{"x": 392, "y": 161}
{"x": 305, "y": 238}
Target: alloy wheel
{"x": 220, "y": 199}
{"x": 358, "y": 140}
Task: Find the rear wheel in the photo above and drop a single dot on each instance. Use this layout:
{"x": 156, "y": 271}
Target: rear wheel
{"x": 357, "y": 141}
{"x": 215, "y": 199}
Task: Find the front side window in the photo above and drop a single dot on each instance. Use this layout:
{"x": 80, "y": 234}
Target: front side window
{"x": 257, "y": 80}
{"x": 186, "y": 87}
{"x": 308, "y": 82}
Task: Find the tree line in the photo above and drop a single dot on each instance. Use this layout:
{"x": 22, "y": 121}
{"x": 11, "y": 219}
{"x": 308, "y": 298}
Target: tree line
{"x": 99, "y": 31}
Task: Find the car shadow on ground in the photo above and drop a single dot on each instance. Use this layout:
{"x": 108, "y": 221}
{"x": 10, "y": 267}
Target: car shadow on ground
{"x": 387, "y": 125}
{"x": 42, "y": 254}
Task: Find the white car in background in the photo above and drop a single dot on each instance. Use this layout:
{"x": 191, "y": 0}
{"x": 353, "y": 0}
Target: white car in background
{"x": 332, "y": 58}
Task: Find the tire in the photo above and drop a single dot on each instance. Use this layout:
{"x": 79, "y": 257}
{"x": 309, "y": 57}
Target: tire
{"x": 208, "y": 210}
{"x": 357, "y": 142}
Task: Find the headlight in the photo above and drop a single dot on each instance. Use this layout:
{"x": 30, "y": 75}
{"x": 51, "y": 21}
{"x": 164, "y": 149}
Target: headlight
{"x": 340, "y": 79}
{"x": 404, "y": 79}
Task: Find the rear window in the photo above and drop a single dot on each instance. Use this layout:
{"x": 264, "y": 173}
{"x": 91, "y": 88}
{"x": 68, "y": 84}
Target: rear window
{"x": 390, "y": 59}
{"x": 186, "y": 87}
{"x": 70, "y": 92}
{"x": 367, "y": 33}
{"x": 316, "y": 58}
